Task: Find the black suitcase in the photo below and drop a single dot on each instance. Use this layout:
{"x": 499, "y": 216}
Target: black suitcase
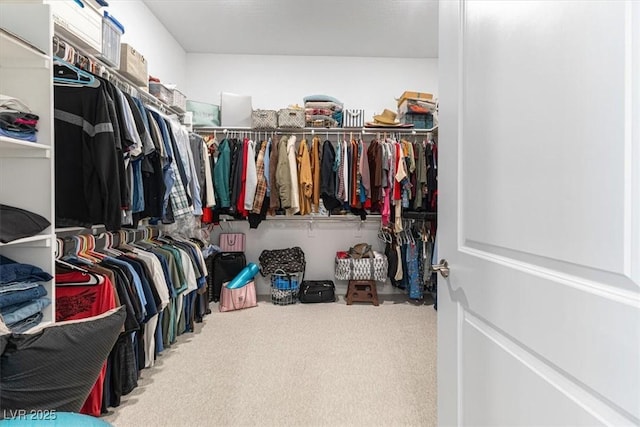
{"x": 317, "y": 291}
{"x": 224, "y": 267}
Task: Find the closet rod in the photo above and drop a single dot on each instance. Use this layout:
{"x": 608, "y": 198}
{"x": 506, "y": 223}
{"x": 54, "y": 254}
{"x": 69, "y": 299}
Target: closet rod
{"x": 318, "y": 131}
{"x": 333, "y": 218}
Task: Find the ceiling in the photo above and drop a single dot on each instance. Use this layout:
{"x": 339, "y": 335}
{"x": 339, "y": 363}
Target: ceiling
{"x": 377, "y": 28}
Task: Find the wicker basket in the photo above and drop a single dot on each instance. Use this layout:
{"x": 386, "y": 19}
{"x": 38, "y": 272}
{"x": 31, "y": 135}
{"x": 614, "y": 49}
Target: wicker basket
{"x": 285, "y": 287}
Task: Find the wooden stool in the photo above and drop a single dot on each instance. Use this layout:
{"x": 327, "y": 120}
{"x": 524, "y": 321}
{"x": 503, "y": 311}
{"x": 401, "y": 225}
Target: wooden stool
{"x": 362, "y": 291}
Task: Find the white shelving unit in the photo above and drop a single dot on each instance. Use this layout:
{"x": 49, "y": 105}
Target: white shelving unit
{"x": 26, "y": 168}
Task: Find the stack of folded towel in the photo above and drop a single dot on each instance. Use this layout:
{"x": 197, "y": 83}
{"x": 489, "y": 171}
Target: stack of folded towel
{"x": 16, "y": 119}
{"x": 323, "y": 111}
{"x": 22, "y": 294}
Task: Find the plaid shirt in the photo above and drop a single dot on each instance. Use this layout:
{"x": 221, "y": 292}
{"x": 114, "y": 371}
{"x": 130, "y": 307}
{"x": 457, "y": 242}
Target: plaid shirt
{"x": 261, "y": 189}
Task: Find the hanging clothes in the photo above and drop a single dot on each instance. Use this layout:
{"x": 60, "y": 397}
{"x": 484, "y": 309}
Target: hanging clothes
{"x": 376, "y": 169}
{"x": 222, "y": 175}
{"x": 87, "y": 182}
{"x": 305, "y": 179}
{"x": 293, "y": 171}
{"x": 283, "y": 175}
{"x": 252, "y": 176}
{"x": 315, "y": 172}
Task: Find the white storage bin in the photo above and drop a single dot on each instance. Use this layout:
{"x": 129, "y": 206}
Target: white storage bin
{"x": 179, "y": 100}
{"x": 79, "y": 22}
{"x": 112, "y": 31}
{"x": 235, "y": 110}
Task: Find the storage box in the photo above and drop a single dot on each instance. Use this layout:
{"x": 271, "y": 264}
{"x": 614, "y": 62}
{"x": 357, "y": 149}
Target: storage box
{"x": 79, "y": 23}
{"x": 419, "y": 121}
{"x": 291, "y": 118}
{"x": 235, "y": 110}
{"x": 178, "y": 100}
{"x": 112, "y": 30}
{"x": 417, "y": 106}
{"x": 264, "y": 119}
{"x": 353, "y": 118}
{"x": 133, "y": 65}
{"x": 414, "y": 95}
{"x": 161, "y": 92}
{"x": 204, "y": 115}
{"x": 362, "y": 269}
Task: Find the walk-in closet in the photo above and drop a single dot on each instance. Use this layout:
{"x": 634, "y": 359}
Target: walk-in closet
{"x": 367, "y": 212}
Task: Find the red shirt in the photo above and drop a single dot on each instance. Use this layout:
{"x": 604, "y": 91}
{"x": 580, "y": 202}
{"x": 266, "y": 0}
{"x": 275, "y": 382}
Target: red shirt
{"x": 79, "y": 302}
{"x": 243, "y": 187}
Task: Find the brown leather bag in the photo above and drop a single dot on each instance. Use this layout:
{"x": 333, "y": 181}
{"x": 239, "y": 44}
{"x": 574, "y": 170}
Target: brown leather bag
{"x": 361, "y": 250}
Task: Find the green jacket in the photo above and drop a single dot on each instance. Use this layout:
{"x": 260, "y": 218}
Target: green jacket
{"x": 221, "y": 175}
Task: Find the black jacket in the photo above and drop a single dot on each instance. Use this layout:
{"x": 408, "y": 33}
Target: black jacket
{"x": 328, "y": 177}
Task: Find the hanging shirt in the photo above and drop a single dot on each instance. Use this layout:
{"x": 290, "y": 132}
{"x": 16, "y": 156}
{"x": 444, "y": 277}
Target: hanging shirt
{"x": 221, "y": 173}
{"x": 293, "y": 171}
{"x": 283, "y": 176}
{"x": 345, "y": 170}
{"x": 87, "y": 185}
{"x": 267, "y": 167}
{"x": 210, "y": 198}
{"x": 304, "y": 177}
{"x": 243, "y": 179}
{"x": 186, "y": 157}
{"x": 315, "y": 172}
{"x": 252, "y": 176}
{"x": 261, "y": 185}
{"x": 81, "y": 302}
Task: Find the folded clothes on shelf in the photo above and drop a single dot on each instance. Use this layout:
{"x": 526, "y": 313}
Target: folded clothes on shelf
{"x": 16, "y": 119}
{"x": 12, "y": 272}
{"x": 19, "y": 312}
{"x": 14, "y": 296}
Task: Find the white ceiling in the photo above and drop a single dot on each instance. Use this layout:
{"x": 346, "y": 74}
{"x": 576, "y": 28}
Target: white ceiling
{"x": 378, "y": 28}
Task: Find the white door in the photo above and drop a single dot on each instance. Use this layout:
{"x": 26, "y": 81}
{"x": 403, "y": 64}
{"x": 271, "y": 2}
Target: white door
{"x": 539, "y": 177}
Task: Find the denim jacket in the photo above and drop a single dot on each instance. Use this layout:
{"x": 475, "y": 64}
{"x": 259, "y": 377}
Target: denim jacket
{"x": 12, "y": 271}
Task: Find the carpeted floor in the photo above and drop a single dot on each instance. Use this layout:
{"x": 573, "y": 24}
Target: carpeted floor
{"x": 296, "y": 365}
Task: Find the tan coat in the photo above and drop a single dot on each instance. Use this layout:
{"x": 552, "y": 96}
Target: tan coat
{"x": 283, "y": 175}
{"x": 305, "y": 180}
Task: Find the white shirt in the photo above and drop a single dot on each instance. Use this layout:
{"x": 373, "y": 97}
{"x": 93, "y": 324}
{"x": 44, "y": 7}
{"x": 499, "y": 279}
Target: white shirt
{"x": 293, "y": 169}
{"x": 251, "y": 183}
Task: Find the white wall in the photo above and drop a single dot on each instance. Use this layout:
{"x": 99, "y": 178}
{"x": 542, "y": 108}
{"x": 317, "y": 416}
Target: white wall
{"x": 319, "y": 246}
{"x": 166, "y": 59}
{"x": 277, "y": 81}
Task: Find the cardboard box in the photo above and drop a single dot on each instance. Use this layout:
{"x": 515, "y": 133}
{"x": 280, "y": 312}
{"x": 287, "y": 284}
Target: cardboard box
{"x": 414, "y": 95}
{"x": 133, "y": 65}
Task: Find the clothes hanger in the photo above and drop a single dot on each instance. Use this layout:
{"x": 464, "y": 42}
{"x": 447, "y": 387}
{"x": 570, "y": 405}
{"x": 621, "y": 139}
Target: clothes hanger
{"x": 93, "y": 279}
{"x": 91, "y": 247}
{"x": 70, "y": 75}
{"x": 109, "y": 248}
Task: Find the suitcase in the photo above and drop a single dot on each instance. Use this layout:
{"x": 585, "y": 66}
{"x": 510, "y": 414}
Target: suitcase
{"x": 224, "y": 267}
{"x": 312, "y": 291}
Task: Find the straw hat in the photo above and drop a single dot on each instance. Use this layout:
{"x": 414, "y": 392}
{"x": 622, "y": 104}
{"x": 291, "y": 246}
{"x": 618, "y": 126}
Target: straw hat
{"x": 387, "y": 117}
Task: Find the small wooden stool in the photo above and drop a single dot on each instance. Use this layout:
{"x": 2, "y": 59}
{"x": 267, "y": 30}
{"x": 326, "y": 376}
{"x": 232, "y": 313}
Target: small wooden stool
{"x": 362, "y": 291}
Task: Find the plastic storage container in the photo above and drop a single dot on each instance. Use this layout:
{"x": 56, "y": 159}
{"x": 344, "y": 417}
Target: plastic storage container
{"x": 112, "y": 31}
{"x": 161, "y": 92}
{"x": 178, "y": 100}
{"x": 419, "y": 121}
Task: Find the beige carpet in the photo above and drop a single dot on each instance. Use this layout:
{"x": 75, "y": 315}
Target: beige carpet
{"x": 296, "y": 365}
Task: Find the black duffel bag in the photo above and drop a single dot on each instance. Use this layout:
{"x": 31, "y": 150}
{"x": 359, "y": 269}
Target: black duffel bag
{"x": 317, "y": 291}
